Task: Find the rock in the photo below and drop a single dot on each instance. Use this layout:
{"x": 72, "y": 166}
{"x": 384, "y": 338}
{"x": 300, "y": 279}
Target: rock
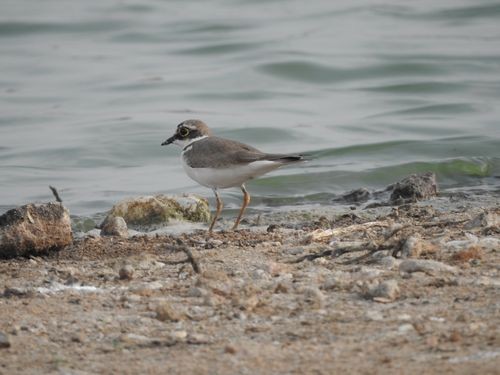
{"x": 166, "y": 313}
{"x": 355, "y": 196}
{"x": 387, "y": 262}
{"x": 198, "y": 339}
{"x": 386, "y": 291}
{"x": 313, "y": 297}
{"x": 33, "y": 229}
{"x": 484, "y": 220}
{"x": 4, "y": 341}
{"x": 150, "y": 212}
{"x": 146, "y": 289}
{"x": 412, "y": 247}
{"x": 414, "y": 187}
{"x": 374, "y": 315}
{"x": 425, "y": 265}
{"x": 131, "y": 339}
{"x": 114, "y": 226}
{"x": 17, "y": 292}
{"x": 126, "y": 272}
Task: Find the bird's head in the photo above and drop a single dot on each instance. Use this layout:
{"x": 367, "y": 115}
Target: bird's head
{"x": 187, "y": 132}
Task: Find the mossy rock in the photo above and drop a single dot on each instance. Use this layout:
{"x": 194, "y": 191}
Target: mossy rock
{"x": 151, "y": 212}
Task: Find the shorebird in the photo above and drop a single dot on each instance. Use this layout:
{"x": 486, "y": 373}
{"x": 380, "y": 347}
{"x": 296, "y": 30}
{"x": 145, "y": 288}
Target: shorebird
{"x": 219, "y": 163}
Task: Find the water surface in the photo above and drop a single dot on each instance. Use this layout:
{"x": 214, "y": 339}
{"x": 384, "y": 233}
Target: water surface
{"x": 372, "y": 90}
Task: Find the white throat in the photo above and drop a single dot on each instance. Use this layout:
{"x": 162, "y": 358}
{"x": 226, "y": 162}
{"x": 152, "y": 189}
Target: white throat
{"x": 183, "y": 143}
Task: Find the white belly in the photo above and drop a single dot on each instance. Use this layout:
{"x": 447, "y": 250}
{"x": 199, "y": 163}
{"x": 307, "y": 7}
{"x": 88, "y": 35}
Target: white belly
{"x": 229, "y": 177}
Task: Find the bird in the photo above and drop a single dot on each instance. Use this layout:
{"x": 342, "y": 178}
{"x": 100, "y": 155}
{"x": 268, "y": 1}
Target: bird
{"x": 219, "y": 163}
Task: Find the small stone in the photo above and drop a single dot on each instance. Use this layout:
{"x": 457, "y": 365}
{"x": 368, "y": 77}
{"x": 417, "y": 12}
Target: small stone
{"x": 405, "y": 328}
{"x": 386, "y": 291}
{"x": 198, "y": 339}
{"x": 114, "y": 226}
{"x": 425, "y": 265}
{"x": 17, "y": 292}
{"x": 432, "y": 342}
{"x": 484, "y": 220}
{"x": 313, "y": 297}
{"x": 165, "y": 312}
{"x": 414, "y": 187}
{"x": 412, "y": 247}
{"x": 145, "y": 289}
{"x": 4, "y": 341}
{"x": 374, "y": 315}
{"x": 180, "y": 335}
{"x": 214, "y": 242}
{"x": 78, "y": 337}
{"x": 229, "y": 349}
{"x": 388, "y": 262}
{"x": 126, "y": 272}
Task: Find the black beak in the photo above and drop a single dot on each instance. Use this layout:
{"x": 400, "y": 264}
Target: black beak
{"x": 169, "y": 141}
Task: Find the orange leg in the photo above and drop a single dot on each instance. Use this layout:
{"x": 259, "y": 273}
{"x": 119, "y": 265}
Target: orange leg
{"x": 218, "y": 210}
{"x": 246, "y": 201}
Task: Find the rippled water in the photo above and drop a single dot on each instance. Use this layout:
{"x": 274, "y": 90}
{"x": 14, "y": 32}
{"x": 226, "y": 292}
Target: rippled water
{"x": 372, "y": 90}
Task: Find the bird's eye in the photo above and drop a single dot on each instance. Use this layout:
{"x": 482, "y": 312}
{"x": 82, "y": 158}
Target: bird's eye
{"x": 183, "y": 132}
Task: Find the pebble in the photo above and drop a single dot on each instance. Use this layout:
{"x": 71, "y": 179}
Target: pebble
{"x": 294, "y": 250}
{"x": 198, "y": 339}
{"x": 412, "y": 247}
{"x": 126, "y": 272}
{"x": 374, "y": 315}
{"x": 338, "y": 280}
{"x": 166, "y": 313}
{"x": 386, "y": 291}
{"x": 388, "y": 262}
{"x": 313, "y": 297}
{"x": 405, "y": 328}
{"x": 145, "y": 289}
{"x": 114, "y": 226}
{"x": 484, "y": 220}
{"x": 425, "y": 265}
{"x": 133, "y": 339}
{"x": 4, "y": 341}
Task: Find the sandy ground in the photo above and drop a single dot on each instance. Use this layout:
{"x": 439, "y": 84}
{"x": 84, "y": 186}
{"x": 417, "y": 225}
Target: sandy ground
{"x": 268, "y": 299}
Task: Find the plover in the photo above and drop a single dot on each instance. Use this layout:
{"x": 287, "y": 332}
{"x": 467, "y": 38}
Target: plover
{"x": 219, "y": 163}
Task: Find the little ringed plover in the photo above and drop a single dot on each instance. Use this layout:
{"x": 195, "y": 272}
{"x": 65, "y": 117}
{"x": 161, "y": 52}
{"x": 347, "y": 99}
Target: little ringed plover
{"x": 219, "y": 163}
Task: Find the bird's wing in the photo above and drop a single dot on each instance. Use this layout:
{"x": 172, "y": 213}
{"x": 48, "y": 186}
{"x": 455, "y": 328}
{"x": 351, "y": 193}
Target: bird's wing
{"x": 218, "y": 152}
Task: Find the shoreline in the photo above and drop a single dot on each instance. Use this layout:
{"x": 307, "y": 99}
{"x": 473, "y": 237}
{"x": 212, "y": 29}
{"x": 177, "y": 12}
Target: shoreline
{"x": 306, "y": 290}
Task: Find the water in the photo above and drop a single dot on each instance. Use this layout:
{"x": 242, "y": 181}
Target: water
{"x": 372, "y": 90}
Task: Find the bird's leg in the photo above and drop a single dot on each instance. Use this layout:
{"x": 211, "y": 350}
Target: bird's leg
{"x": 218, "y": 210}
{"x": 246, "y": 201}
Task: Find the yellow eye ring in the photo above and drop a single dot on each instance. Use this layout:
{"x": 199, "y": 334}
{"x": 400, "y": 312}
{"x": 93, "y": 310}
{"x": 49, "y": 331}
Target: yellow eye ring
{"x": 183, "y": 132}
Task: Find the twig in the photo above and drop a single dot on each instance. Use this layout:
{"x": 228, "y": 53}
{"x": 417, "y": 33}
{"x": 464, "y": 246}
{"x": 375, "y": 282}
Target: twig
{"x": 190, "y": 258}
{"x": 56, "y": 194}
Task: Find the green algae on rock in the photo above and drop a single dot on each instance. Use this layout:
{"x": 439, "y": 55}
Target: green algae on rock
{"x": 152, "y": 211}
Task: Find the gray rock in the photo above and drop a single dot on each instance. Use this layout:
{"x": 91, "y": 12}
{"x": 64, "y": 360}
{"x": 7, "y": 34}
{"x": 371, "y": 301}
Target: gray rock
{"x": 151, "y": 212}
{"x": 33, "y": 229}
{"x": 412, "y": 247}
{"x": 4, "y": 341}
{"x": 114, "y": 226}
{"x": 414, "y": 187}
{"x": 484, "y": 220}
{"x": 425, "y": 265}
{"x": 386, "y": 291}
{"x": 126, "y": 272}
{"x": 355, "y": 196}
